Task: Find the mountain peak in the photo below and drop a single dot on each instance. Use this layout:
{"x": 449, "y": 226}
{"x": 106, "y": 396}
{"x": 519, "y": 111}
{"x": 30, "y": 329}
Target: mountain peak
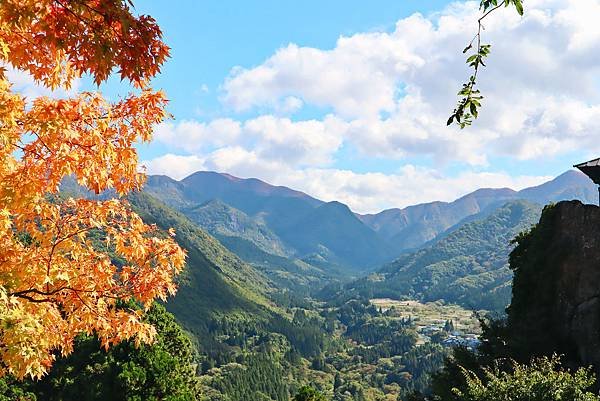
{"x": 227, "y": 182}
{"x": 572, "y": 175}
{"x": 569, "y": 185}
{"x": 336, "y": 205}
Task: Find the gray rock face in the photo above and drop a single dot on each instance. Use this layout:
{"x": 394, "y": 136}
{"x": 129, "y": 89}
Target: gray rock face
{"x": 556, "y": 293}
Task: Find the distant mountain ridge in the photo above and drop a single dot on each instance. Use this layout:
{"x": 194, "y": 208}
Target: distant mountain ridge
{"x": 413, "y": 226}
{"x": 285, "y": 222}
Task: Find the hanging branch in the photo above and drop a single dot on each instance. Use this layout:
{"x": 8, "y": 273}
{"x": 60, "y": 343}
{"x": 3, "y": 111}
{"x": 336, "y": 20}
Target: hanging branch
{"x": 470, "y": 97}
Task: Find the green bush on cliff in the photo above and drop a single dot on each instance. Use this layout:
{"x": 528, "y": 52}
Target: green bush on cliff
{"x": 542, "y": 380}
{"x": 307, "y": 393}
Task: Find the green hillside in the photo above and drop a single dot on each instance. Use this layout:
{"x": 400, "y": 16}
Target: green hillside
{"x": 286, "y": 273}
{"x": 215, "y": 282}
{"x": 469, "y": 266}
{"x": 220, "y": 219}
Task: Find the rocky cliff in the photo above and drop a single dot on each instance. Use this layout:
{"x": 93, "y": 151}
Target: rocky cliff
{"x": 556, "y": 291}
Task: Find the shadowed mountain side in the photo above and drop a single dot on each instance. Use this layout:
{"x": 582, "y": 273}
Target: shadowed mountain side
{"x": 220, "y": 219}
{"x": 334, "y": 232}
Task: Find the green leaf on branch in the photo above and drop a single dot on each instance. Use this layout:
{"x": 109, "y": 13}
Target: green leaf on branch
{"x": 470, "y": 98}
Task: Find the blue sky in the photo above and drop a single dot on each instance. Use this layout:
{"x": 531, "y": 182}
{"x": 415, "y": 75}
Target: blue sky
{"x": 209, "y": 38}
{"x": 347, "y": 100}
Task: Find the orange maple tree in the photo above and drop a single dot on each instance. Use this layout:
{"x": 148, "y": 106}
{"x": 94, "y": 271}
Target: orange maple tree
{"x": 55, "y": 282}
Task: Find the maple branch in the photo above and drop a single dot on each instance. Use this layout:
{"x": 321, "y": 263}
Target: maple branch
{"x": 51, "y": 255}
{"x": 46, "y": 293}
{"x": 49, "y": 293}
{"x": 34, "y": 300}
{"x": 88, "y": 22}
{"x": 25, "y": 151}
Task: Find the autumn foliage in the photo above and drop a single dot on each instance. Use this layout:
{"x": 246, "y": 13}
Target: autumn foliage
{"x": 57, "y": 279}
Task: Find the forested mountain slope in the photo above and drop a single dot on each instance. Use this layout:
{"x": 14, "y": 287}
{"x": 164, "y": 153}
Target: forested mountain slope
{"x": 220, "y": 219}
{"x": 215, "y": 282}
{"x": 469, "y": 266}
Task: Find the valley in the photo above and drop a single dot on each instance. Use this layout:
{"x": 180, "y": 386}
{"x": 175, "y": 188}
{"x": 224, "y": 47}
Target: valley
{"x": 276, "y": 201}
{"x": 435, "y": 321}
{"x": 303, "y": 308}
{"x": 272, "y": 301}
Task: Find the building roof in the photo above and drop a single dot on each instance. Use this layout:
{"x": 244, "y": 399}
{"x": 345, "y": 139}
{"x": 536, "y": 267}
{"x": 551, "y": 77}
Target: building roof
{"x": 591, "y": 163}
{"x": 591, "y": 169}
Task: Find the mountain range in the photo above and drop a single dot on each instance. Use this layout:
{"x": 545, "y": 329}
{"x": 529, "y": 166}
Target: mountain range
{"x": 413, "y": 226}
{"x": 283, "y": 222}
{"x": 455, "y": 251}
{"x": 323, "y": 233}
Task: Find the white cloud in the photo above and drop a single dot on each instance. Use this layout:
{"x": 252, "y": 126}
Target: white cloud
{"x": 356, "y": 77}
{"x": 290, "y": 105}
{"x": 175, "y": 166}
{"x": 301, "y": 143}
{"x": 243, "y": 162}
{"x": 396, "y": 89}
{"x": 193, "y": 136}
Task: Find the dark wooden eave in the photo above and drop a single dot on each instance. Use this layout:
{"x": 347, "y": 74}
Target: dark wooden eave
{"x": 591, "y": 169}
